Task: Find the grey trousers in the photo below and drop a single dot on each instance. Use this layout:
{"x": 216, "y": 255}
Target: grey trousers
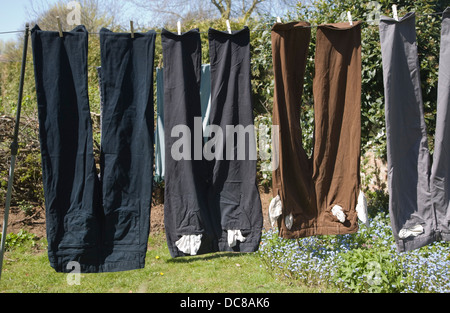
{"x": 440, "y": 172}
{"x": 418, "y": 197}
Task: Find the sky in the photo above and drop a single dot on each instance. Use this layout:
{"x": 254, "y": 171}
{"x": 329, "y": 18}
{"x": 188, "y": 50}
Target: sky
{"x": 13, "y": 16}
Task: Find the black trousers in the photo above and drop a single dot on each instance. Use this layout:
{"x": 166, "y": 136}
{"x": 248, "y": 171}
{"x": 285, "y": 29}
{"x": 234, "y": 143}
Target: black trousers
{"x": 210, "y": 188}
{"x": 186, "y": 198}
{"x": 235, "y": 191}
{"x": 102, "y": 225}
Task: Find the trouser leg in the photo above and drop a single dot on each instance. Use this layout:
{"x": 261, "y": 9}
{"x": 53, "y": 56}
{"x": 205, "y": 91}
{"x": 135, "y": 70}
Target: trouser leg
{"x": 337, "y": 114}
{"x": 70, "y": 180}
{"x": 410, "y": 208}
{"x": 440, "y": 174}
{"x": 235, "y": 196}
{"x": 185, "y": 200}
{"x": 292, "y": 178}
{"x": 127, "y": 147}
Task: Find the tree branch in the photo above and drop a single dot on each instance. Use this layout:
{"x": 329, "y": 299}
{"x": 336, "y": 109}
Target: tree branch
{"x": 248, "y": 13}
{"x": 228, "y": 10}
{"x": 219, "y": 5}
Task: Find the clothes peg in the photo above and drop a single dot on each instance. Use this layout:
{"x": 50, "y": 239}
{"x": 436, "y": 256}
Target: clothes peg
{"x": 394, "y": 12}
{"x": 349, "y": 16}
{"x": 228, "y": 26}
{"x": 279, "y": 20}
{"x": 132, "y": 29}
{"x": 59, "y": 27}
{"x": 179, "y": 27}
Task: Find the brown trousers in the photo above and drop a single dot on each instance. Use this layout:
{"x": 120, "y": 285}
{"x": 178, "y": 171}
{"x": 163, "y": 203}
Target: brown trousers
{"x": 310, "y": 187}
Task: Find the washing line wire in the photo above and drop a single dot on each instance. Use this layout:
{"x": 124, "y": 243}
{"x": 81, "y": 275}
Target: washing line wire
{"x": 12, "y": 32}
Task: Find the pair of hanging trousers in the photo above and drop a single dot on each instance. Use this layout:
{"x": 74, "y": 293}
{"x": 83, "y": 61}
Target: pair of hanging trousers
{"x": 312, "y": 188}
{"x": 208, "y": 198}
{"x": 101, "y": 223}
{"x": 418, "y": 191}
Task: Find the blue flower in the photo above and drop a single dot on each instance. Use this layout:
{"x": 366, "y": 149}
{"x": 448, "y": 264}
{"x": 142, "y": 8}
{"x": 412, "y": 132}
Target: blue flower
{"x": 317, "y": 260}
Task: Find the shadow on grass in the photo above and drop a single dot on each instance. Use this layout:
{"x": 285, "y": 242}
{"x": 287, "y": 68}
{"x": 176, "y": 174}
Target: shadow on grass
{"x": 205, "y": 257}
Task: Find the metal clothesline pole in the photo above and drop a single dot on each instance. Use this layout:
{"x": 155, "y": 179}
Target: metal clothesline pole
{"x": 14, "y": 148}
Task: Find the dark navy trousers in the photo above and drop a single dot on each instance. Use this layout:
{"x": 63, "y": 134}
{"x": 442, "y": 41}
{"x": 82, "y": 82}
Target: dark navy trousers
{"x": 127, "y": 145}
{"x": 100, "y": 222}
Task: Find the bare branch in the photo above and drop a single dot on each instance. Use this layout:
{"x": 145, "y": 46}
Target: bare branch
{"x": 228, "y": 10}
{"x": 249, "y": 12}
{"x": 219, "y": 5}
{"x": 164, "y": 10}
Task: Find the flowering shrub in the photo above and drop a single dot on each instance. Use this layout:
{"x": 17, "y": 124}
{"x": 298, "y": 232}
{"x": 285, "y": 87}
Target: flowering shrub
{"x": 366, "y": 261}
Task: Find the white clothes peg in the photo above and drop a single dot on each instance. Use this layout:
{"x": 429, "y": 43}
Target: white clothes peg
{"x": 349, "y": 16}
{"x": 179, "y": 27}
{"x": 228, "y": 26}
{"x": 394, "y": 12}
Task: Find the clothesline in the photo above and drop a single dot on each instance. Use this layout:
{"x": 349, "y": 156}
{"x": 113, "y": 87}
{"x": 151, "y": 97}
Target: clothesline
{"x": 12, "y": 32}
{"x": 253, "y": 30}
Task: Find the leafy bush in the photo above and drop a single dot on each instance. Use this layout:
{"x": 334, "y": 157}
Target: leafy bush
{"x": 28, "y": 187}
{"x": 366, "y": 261}
{"x": 21, "y": 239}
{"x": 377, "y": 202}
{"x": 263, "y": 130}
{"x": 368, "y": 270}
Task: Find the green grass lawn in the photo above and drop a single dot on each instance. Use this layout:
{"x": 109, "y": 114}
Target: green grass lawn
{"x": 28, "y": 271}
